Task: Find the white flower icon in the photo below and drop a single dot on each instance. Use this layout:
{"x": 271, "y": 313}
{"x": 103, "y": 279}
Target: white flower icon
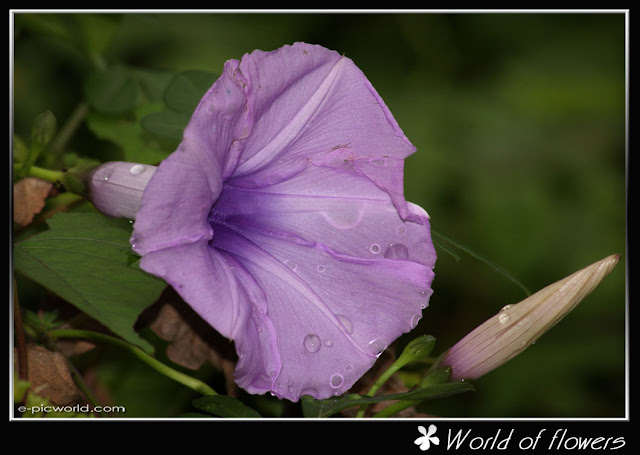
{"x": 427, "y": 438}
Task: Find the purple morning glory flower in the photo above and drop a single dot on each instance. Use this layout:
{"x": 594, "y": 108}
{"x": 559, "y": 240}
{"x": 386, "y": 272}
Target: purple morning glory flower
{"x": 281, "y": 220}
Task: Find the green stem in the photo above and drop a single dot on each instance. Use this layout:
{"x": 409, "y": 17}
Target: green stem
{"x": 381, "y": 380}
{"x": 59, "y": 142}
{"x": 394, "y": 408}
{"x": 41, "y": 173}
{"x": 189, "y": 381}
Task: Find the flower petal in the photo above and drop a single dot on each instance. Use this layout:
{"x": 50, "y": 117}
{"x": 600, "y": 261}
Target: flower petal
{"x": 322, "y": 110}
{"x": 281, "y": 220}
{"x": 344, "y": 212}
{"x": 343, "y": 275}
{"x": 202, "y": 276}
{"x": 333, "y": 314}
{"x": 177, "y": 201}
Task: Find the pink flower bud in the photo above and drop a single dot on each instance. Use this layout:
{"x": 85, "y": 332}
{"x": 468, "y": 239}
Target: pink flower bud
{"x": 116, "y": 187}
{"x": 516, "y": 327}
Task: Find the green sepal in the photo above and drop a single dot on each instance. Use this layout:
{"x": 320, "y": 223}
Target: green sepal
{"x": 75, "y": 179}
{"x": 416, "y": 349}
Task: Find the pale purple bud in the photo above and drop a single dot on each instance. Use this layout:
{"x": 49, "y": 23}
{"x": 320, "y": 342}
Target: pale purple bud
{"x": 116, "y": 187}
{"x": 516, "y": 327}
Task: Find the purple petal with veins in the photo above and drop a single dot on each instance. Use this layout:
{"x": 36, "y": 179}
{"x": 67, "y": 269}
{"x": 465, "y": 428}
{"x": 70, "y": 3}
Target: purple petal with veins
{"x": 281, "y": 220}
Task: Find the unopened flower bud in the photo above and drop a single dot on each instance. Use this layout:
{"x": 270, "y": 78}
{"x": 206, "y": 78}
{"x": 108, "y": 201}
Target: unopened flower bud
{"x": 516, "y": 327}
{"x": 116, "y": 187}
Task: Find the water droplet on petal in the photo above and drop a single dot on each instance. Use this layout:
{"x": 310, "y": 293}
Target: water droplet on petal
{"x": 312, "y": 342}
{"x": 414, "y": 320}
{"x": 348, "y": 368}
{"x": 375, "y": 248}
{"x": 336, "y": 380}
{"x": 289, "y": 263}
{"x": 347, "y": 218}
{"x": 137, "y": 169}
{"x": 321, "y": 268}
{"x": 378, "y": 162}
{"x": 377, "y": 346}
{"x": 346, "y": 322}
{"x": 401, "y": 230}
{"x": 396, "y": 251}
{"x": 328, "y": 343}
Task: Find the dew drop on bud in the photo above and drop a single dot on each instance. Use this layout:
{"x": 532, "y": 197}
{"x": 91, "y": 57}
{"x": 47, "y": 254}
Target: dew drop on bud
{"x": 137, "y": 169}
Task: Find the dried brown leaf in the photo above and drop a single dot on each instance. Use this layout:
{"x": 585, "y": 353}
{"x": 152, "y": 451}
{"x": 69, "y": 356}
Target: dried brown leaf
{"x": 29, "y": 195}
{"x": 49, "y": 376}
{"x": 192, "y": 342}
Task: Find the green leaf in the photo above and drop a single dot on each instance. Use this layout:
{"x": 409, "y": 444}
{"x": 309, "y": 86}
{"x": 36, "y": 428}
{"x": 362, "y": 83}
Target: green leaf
{"x": 224, "y": 406}
{"x": 21, "y": 155}
{"x": 186, "y": 90}
{"x": 113, "y": 91}
{"x": 166, "y": 124}
{"x": 20, "y": 150}
{"x": 136, "y": 143}
{"x": 98, "y": 31}
{"x": 153, "y": 83}
{"x": 43, "y": 129}
{"x": 85, "y": 259}
{"x": 326, "y": 408}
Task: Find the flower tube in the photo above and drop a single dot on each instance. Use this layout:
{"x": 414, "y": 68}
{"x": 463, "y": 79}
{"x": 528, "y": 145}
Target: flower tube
{"x": 516, "y": 327}
{"x": 281, "y": 220}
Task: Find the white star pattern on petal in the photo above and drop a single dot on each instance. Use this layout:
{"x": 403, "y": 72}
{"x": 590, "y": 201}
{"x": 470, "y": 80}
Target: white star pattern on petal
{"x": 427, "y": 438}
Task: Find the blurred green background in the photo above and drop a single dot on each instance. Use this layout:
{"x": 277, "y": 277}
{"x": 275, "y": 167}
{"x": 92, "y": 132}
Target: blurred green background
{"x": 519, "y": 122}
